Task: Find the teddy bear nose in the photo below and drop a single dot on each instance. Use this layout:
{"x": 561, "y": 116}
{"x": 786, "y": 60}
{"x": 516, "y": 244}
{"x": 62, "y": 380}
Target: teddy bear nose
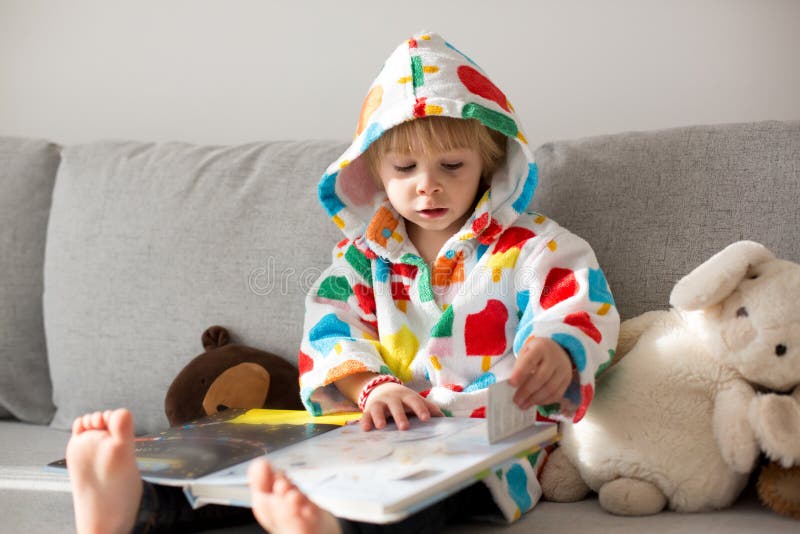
{"x": 780, "y": 350}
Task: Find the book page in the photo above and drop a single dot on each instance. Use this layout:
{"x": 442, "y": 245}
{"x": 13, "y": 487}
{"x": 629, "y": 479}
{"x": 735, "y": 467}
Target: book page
{"x": 503, "y": 416}
{"x": 382, "y": 475}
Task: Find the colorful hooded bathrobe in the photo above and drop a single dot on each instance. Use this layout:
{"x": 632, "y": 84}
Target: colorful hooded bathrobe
{"x": 450, "y": 329}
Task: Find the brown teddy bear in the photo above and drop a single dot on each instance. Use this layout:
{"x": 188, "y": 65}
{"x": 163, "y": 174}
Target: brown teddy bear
{"x": 779, "y": 489}
{"x": 229, "y": 375}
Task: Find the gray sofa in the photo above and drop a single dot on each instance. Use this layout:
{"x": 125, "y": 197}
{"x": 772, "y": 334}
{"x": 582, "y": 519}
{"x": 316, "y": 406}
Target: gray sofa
{"x": 115, "y": 256}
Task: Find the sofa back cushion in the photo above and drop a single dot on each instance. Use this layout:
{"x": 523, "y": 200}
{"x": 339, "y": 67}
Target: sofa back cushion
{"x": 654, "y": 205}
{"x": 150, "y": 244}
{"x": 27, "y": 172}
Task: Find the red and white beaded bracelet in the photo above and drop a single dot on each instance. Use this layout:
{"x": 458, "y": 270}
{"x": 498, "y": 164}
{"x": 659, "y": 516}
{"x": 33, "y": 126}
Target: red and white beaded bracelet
{"x": 372, "y": 384}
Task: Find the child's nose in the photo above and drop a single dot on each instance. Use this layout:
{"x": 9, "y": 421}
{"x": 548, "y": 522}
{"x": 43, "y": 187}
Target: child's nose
{"x": 428, "y": 183}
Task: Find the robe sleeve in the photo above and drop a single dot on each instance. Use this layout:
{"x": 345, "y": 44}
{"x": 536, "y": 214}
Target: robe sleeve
{"x": 566, "y": 298}
{"x": 340, "y": 335}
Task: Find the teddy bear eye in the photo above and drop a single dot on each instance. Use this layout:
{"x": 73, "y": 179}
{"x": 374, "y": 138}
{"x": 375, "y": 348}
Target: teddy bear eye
{"x": 753, "y": 276}
{"x": 741, "y": 312}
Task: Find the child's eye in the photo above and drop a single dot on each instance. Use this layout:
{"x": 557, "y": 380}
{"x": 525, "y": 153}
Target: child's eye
{"x": 453, "y": 166}
{"x": 405, "y": 168}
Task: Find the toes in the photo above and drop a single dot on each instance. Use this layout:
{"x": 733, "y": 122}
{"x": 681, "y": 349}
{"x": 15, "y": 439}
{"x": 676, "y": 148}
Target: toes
{"x": 297, "y": 500}
{"x": 93, "y": 421}
{"x": 282, "y": 485}
{"x": 77, "y": 425}
{"x": 120, "y": 424}
{"x": 97, "y": 420}
{"x": 309, "y": 512}
{"x": 260, "y": 476}
{"x": 265, "y": 480}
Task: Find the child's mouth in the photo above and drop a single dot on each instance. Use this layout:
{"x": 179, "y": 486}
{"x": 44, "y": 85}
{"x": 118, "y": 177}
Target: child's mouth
{"x": 433, "y": 213}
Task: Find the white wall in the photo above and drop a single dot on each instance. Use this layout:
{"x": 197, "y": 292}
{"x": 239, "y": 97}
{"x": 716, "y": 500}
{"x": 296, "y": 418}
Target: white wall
{"x": 245, "y": 70}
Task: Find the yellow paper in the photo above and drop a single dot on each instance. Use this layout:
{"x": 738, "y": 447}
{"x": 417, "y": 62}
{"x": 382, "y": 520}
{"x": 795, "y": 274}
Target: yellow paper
{"x": 293, "y": 417}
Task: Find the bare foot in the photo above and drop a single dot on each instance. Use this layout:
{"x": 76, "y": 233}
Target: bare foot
{"x": 281, "y": 508}
{"x": 106, "y": 486}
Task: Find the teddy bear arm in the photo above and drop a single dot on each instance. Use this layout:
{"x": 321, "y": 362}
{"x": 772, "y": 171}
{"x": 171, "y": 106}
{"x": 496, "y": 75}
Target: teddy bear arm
{"x": 733, "y": 432}
{"x": 776, "y": 422}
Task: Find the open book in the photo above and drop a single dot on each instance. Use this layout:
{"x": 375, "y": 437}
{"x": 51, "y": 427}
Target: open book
{"x": 382, "y": 475}
{"x": 185, "y": 453}
{"x": 378, "y": 476}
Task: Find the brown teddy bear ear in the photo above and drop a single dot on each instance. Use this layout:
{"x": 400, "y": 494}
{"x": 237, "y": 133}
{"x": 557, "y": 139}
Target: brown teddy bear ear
{"x": 215, "y": 336}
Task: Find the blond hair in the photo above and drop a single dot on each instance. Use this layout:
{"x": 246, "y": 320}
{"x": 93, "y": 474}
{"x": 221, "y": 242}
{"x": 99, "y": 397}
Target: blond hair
{"x": 435, "y": 134}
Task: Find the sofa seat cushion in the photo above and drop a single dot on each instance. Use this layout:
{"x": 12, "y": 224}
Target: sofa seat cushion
{"x": 26, "y": 450}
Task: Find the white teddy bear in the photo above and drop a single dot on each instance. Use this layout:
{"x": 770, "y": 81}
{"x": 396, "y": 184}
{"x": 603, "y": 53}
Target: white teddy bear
{"x": 680, "y": 420}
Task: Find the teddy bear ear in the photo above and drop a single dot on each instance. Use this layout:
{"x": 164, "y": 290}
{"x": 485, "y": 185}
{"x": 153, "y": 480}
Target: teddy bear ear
{"x": 214, "y": 337}
{"x": 712, "y": 281}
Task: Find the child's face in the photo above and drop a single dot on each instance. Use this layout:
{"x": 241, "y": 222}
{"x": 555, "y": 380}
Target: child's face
{"x": 434, "y": 191}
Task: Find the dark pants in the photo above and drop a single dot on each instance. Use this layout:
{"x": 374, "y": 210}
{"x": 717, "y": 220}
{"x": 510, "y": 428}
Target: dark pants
{"x": 165, "y": 509}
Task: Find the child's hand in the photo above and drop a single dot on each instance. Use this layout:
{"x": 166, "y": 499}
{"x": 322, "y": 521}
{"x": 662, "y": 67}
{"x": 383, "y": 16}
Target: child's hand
{"x": 541, "y": 374}
{"x": 395, "y": 400}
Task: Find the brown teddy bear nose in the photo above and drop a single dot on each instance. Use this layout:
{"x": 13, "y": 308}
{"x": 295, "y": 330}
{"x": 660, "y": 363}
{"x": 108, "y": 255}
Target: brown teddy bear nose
{"x": 780, "y": 350}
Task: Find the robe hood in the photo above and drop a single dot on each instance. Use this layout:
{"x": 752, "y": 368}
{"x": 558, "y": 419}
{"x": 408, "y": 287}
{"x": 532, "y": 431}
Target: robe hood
{"x": 427, "y": 76}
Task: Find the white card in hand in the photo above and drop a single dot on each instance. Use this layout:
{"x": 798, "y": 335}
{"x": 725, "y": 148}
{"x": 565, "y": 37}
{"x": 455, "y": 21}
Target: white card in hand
{"x": 503, "y": 417}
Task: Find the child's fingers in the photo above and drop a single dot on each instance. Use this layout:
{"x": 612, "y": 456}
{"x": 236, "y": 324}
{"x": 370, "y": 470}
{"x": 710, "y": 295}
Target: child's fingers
{"x": 398, "y": 410}
{"x": 554, "y": 392}
{"x": 418, "y": 407}
{"x": 397, "y": 403}
{"x": 528, "y": 360}
{"x": 366, "y": 422}
{"x": 423, "y": 408}
{"x": 530, "y": 385}
{"x": 378, "y": 416}
{"x": 434, "y": 410}
{"x": 540, "y": 387}
{"x": 547, "y": 394}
